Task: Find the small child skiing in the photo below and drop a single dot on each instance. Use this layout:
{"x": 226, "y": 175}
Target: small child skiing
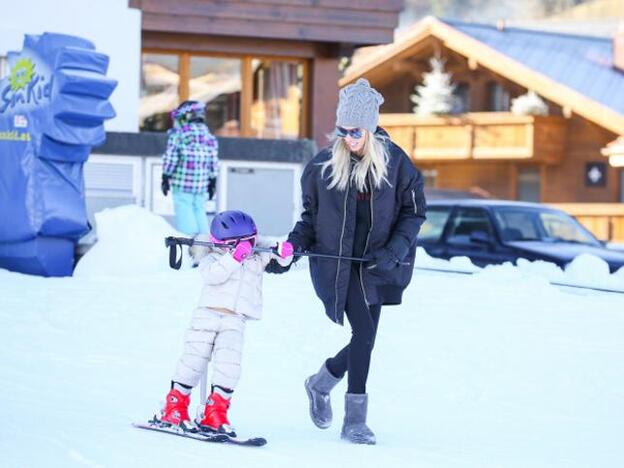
{"x": 231, "y": 295}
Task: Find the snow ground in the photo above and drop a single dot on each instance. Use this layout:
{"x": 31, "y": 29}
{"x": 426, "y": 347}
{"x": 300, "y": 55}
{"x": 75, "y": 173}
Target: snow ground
{"x": 496, "y": 369}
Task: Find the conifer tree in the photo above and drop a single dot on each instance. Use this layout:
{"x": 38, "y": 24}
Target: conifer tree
{"x": 435, "y": 95}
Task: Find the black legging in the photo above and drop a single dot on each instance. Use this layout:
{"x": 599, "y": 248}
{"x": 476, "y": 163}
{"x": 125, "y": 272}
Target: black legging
{"x": 355, "y": 357}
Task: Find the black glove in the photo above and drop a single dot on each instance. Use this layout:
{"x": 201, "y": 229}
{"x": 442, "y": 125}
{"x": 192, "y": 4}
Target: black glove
{"x": 212, "y": 187}
{"x": 274, "y": 267}
{"x": 164, "y": 184}
{"x": 382, "y": 259}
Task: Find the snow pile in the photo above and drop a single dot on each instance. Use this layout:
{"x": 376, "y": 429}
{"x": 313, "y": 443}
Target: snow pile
{"x": 458, "y": 264}
{"x": 130, "y": 241}
{"x": 585, "y": 270}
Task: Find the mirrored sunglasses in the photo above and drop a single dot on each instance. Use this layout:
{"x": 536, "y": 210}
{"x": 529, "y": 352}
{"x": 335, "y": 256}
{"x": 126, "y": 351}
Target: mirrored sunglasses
{"x": 354, "y": 133}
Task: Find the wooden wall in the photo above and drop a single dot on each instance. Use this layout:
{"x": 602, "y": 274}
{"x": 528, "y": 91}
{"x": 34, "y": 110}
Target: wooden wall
{"x": 485, "y": 178}
{"x": 359, "y": 22}
{"x": 566, "y": 182}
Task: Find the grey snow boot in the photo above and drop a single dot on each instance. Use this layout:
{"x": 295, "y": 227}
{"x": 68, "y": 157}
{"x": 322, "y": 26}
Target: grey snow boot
{"x": 318, "y": 387}
{"x": 354, "y": 428}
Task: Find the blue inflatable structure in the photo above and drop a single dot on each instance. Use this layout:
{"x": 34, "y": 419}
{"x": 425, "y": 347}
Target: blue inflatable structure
{"x": 52, "y": 108}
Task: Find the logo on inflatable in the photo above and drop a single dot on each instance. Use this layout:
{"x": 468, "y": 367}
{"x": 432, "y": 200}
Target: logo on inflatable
{"x": 25, "y": 86}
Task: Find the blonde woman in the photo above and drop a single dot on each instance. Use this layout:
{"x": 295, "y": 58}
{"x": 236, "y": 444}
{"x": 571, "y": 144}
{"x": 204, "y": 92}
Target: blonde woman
{"x": 362, "y": 197}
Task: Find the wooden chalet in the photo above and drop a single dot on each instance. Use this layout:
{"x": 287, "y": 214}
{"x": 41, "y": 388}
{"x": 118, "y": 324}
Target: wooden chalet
{"x": 482, "y": 146}
{"x": 265, "y": 68}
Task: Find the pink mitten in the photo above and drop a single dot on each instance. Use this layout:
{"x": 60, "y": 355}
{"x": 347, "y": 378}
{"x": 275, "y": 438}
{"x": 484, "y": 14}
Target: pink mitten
{"x": 242, "y": 251}
{"x": 284, "y": 249}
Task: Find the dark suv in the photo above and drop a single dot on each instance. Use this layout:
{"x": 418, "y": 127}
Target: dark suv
{"x": 497, "y": 231}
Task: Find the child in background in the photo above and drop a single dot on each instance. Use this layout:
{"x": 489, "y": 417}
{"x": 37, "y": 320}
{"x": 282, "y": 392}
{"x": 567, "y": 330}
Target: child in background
{"x": 231, "y": 294}
{"x": 190, "y": 167}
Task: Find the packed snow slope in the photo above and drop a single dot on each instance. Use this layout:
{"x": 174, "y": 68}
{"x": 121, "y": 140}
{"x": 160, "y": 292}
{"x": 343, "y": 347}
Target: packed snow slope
{"x": 496, "y": 369}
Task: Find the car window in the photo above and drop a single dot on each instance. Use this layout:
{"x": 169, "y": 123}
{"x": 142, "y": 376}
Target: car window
{"x": 466, "y": 222}
{"x": 433, "y": 227}
{"x": 562, "y": 228}
{"x": 530, "y": 224}
{"x": 517, "y": 224}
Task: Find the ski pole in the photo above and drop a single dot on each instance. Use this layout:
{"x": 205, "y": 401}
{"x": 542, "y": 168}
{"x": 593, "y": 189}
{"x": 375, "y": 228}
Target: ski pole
{"x": 175, "y": 263}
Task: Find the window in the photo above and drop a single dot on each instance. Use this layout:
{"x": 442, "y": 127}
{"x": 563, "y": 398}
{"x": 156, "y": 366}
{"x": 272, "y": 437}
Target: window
{"x": 431, "y": 177}
{"x": 467, "y": 222}
{"x": 499, "y": 99}
{"x": 539, "y": 225}
{"x": 529, "y": 184}
{"x": 217, "y": 83}
{"x": 461, "y": 103}
{"x": 244, "y": 96}
{"x": 4, "y": 67}
{"x": 562, "y": 228}
{"x": 433, "y": 227}
{"x": 159, "y": 91}
{"x": 517, "y": 225}
{"x": 277, "y": 99}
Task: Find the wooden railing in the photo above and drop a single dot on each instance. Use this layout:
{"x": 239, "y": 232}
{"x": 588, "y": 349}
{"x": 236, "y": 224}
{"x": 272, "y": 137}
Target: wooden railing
{"x": 479, "y": 135}
{"x": 604, "y": 220}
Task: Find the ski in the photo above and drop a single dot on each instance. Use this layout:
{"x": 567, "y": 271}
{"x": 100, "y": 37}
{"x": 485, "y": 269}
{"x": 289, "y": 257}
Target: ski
{"x": 251, "y": 442}
{"x": 154, "y": 425}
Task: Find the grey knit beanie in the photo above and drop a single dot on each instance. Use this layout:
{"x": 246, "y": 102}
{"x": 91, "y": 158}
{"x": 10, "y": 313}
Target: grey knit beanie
{"x": 358, "y": 106}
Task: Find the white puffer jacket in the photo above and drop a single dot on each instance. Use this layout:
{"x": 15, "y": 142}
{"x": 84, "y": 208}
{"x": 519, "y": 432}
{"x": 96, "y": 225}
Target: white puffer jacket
{"x": 232, "y": 285}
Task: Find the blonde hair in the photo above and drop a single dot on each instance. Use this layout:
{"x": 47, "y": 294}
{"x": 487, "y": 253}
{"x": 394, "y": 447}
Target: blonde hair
{"x": 373, "y": 160}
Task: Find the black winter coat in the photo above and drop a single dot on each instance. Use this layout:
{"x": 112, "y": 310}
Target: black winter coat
{"x": 327, "y": 225}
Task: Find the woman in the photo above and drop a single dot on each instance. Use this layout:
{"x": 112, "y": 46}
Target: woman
{"x": 362, "y": 197}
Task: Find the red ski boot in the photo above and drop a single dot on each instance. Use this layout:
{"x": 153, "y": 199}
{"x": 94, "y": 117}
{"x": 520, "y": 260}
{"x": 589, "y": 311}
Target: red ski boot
{"x": 176, "y": 409}
{"x": 215, "y": 417}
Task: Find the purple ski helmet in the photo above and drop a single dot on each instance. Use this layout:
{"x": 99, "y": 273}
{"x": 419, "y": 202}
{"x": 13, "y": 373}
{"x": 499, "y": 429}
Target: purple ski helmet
{"x": 232, "y": 224}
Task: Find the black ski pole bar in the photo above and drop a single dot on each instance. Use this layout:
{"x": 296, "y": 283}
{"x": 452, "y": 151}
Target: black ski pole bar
{"x": 173, "y": 241}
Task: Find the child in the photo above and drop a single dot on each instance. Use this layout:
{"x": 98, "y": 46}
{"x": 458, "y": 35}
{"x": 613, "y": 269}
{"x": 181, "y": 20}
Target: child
{"x": 231, "y": 294}
{"x": 190, "y": 167}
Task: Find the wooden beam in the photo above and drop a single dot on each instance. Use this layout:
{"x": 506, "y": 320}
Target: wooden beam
{"x": 246, "y": 97}
{"x": 328, "y": 16}
{"x": 185, "y": 77}
{"x": 228, "y": 46}
{"x": 304, "y": 131}
{"x": 252, "y": 29}
{"x": 324, "y": 98}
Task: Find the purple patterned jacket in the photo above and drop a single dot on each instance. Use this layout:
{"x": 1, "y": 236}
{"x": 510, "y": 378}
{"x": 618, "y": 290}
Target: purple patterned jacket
{"x": 191, "y": 157}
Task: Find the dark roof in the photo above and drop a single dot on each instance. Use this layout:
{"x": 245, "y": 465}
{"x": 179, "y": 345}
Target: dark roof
{"x": 582, "y": 63}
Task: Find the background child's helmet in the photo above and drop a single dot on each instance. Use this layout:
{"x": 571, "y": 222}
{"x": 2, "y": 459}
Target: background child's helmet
{"x": 232, "y": 224}
{"x": 189, "y": 111}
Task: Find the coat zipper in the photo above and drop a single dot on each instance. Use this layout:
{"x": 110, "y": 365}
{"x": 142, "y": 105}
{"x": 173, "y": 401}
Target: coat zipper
{"x": 344, "y": 221}
{"x": 366, "y": 244}
{"x": 414, "y": 201}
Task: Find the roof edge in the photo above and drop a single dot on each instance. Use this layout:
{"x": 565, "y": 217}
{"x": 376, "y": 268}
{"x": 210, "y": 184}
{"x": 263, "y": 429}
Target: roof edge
{"x": 499, "y": 63}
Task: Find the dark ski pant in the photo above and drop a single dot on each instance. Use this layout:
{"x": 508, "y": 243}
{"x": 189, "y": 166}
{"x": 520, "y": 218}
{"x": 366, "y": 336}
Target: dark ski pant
{"x": 355, "y": 357}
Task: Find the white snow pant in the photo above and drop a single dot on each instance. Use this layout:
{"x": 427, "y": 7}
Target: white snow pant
{"x": 212, "y": 336}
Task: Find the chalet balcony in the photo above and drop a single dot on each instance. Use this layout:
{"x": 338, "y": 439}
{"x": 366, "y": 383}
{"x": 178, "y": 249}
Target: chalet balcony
{"x": 498, "y": 136}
